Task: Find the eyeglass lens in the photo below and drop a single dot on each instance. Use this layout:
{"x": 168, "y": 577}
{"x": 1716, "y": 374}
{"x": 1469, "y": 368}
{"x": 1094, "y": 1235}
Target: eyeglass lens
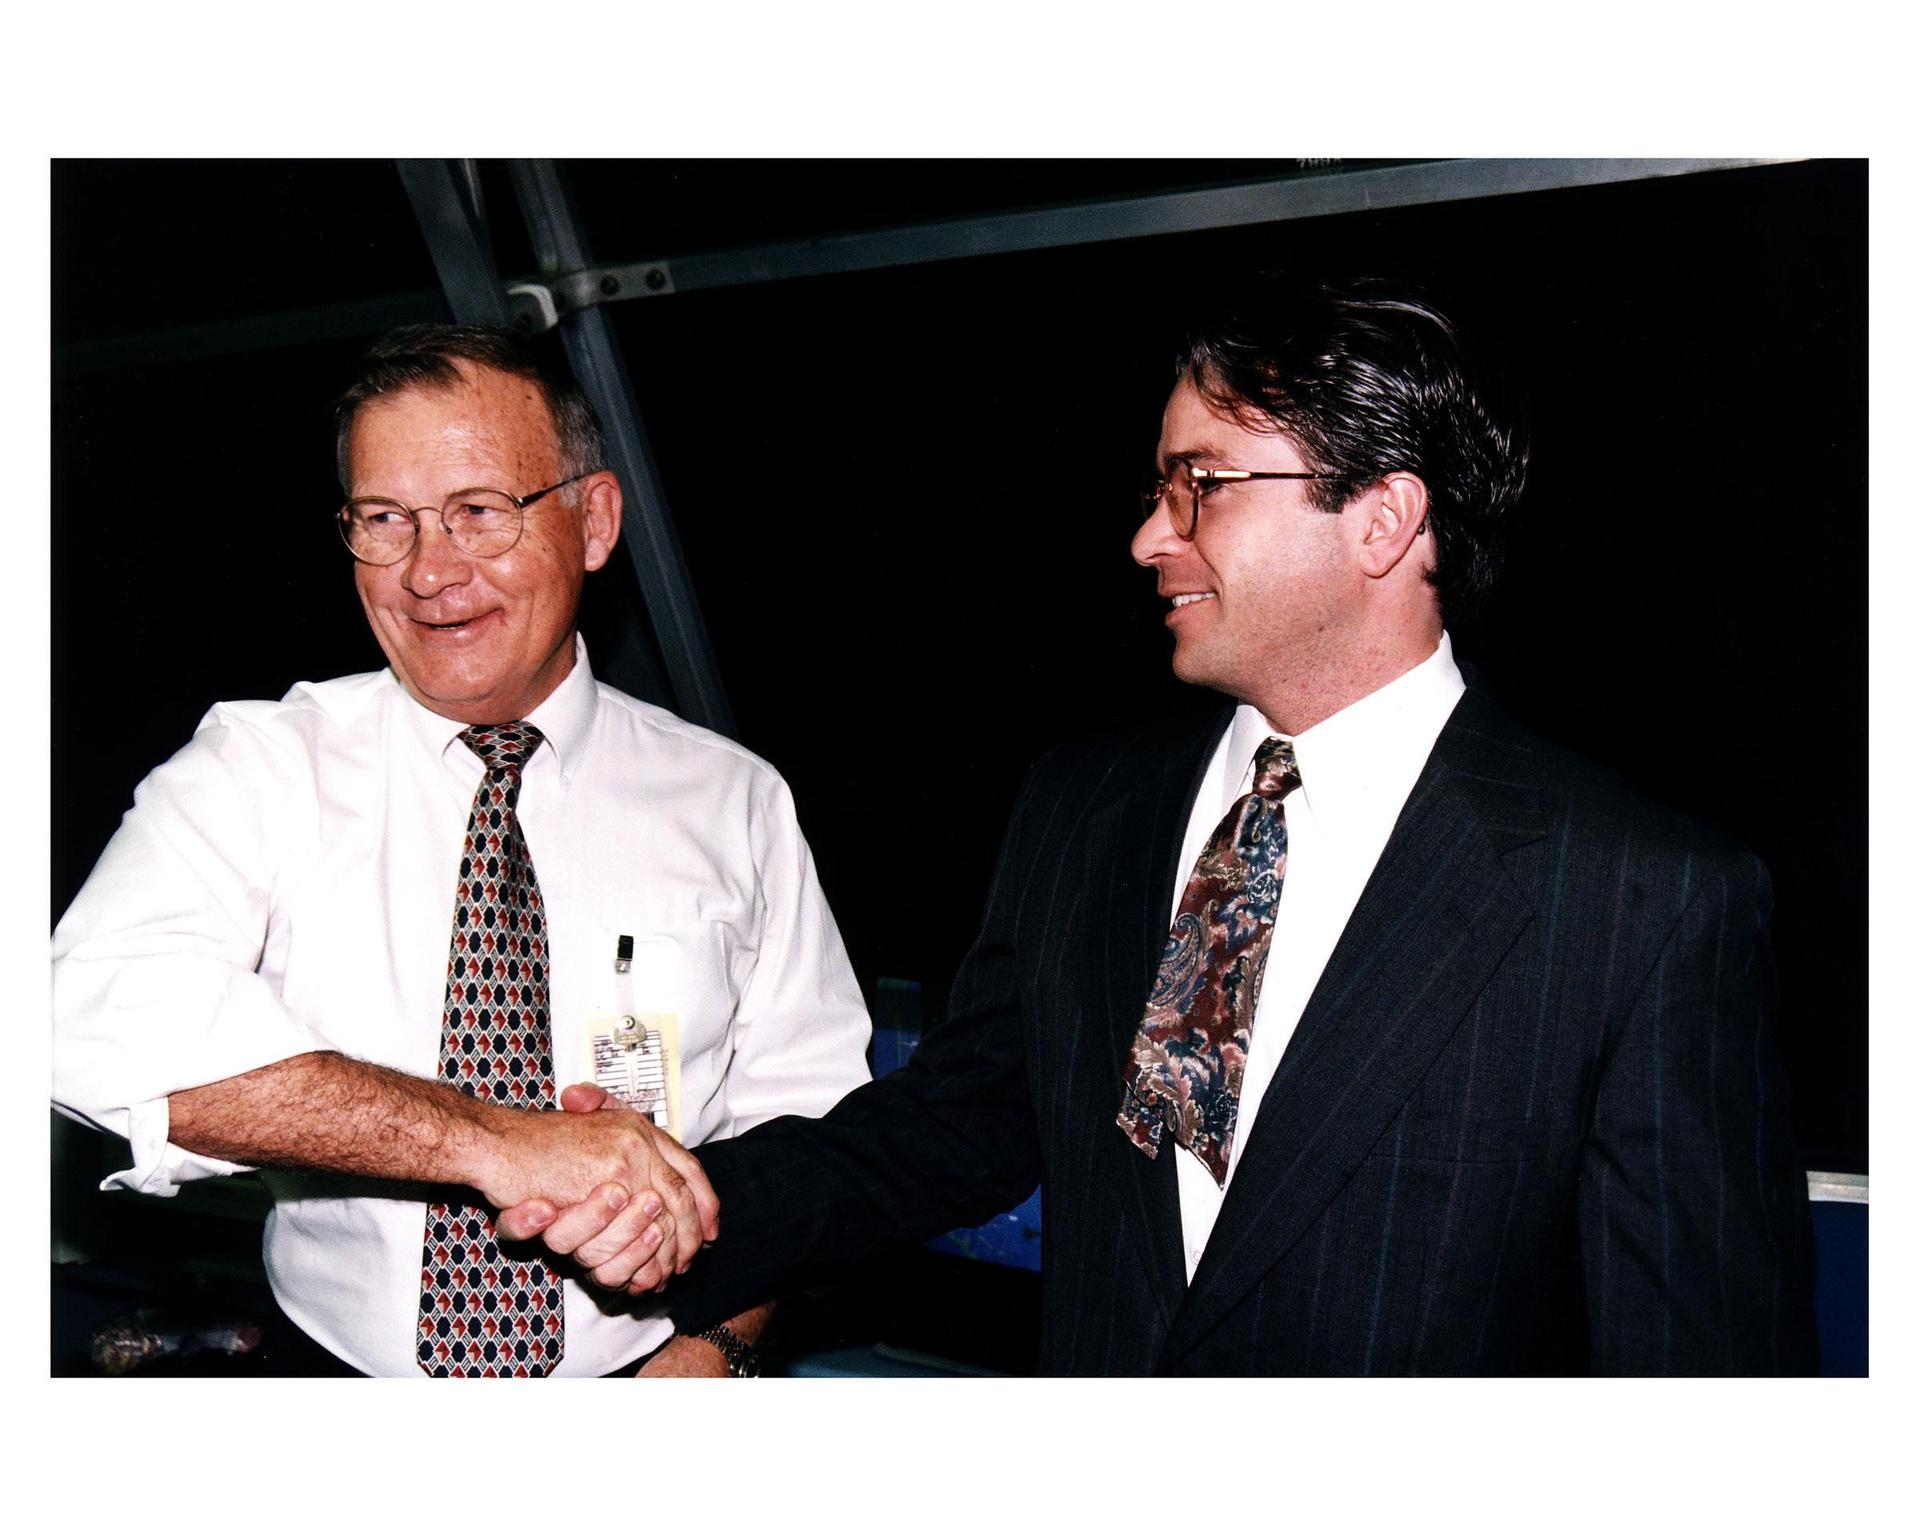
{"x": 1180, "y": 493}
{"x": 482, "y": 523}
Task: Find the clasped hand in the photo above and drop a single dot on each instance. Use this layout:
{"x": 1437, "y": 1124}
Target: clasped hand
{"x": 641, "y": 1204}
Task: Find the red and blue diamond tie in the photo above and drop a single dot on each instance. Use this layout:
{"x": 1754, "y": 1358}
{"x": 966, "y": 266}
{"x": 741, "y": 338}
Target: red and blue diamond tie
{"x": 483, "y": 1312}
{"x": 1184, "y": 1071}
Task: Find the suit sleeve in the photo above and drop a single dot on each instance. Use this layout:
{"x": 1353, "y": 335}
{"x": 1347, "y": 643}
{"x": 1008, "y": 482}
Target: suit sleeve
{"x": 946, "y": 1141}
{"x": 1694, "y": 1233}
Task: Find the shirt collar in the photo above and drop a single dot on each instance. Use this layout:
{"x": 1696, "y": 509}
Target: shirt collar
{"x": 1366, "y": 755}
{"x": 565, "y": 718}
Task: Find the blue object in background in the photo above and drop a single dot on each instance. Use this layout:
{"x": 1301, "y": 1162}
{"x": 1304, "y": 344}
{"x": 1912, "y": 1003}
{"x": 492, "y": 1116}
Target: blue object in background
{"x": 1012, "y": 1239}
{"x": 1840, "y": 1279}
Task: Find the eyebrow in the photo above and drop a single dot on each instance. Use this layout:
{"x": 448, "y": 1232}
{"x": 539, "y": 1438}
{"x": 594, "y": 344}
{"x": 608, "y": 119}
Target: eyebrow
{"x": 1202, "y": 451}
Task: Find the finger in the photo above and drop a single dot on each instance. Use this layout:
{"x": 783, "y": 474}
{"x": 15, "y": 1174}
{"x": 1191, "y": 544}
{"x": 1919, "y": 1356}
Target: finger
{"x": 583, "y": 1098}
{"x": 678, "y": 1194}
{"x": 706, "y": 1202}
{"x": 588, "y": 1218}
{"x": 527, "y": 1219}
{"x": 637, "y": 1265}
{"x": 643, "y": 1222}
{"x": 653, "y": 1150}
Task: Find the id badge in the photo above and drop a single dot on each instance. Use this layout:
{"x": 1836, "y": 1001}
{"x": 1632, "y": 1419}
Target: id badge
{"x": 636, "y": 1058}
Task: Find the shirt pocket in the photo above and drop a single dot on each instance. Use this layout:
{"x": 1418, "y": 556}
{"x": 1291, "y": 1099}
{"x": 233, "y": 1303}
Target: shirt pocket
{"x": 685, "y": 973}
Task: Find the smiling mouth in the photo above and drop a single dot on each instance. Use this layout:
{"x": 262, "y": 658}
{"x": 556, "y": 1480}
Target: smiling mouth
{"x": 450, "y": 626}
{"x": 1184, "y": 599}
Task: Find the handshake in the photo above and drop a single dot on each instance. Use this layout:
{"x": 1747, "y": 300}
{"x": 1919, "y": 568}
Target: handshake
{"x": 602, "y": 1184}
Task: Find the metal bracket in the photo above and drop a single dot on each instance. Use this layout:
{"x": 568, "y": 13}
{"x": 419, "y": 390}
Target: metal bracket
{"x": 589, "y": 287}
{"x": 540, "y": 306}
{"x": 534, "y": 311}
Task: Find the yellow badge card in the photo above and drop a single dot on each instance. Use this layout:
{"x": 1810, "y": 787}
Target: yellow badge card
{"x": 636, "y": 1058}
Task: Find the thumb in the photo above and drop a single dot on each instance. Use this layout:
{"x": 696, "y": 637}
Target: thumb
{"x": 527, "y": 1219}
{"x": 583, "y": 1098}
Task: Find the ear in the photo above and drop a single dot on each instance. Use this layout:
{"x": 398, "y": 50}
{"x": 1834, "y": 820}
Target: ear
{"x": 1394, "y": 517}
{"x": 601, "y": 519}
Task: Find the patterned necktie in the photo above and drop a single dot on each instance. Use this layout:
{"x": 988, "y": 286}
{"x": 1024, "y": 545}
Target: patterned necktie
{"x": 481, "y": 1312}
{"x": 1187, "y": 1060}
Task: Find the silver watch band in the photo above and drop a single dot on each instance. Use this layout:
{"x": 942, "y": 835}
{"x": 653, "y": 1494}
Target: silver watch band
{"x": 743, "y": 1359}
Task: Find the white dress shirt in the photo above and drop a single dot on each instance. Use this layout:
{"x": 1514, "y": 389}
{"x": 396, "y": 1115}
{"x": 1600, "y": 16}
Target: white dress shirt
{"x": 1357, "y": 768}
{"x": 285, "y": 884}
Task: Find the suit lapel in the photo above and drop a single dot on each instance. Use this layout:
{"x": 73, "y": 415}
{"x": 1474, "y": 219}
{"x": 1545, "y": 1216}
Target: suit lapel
{"x": 1140, "y": 832}
{"x": 1435, "y": 919}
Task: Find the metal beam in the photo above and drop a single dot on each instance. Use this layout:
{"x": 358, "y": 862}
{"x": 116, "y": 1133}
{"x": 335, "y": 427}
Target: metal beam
{"x": 577, "y": 286}
{"x": 288, "y": 328}
{"x": 446, "y": 200}
{"x": 647, "y": 531}
{"x": 576, "y": 283}
{"x": 1847, "y": 1188}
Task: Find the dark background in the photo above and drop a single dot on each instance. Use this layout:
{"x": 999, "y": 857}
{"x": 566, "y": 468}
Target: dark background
{"x": 905, "y": 496}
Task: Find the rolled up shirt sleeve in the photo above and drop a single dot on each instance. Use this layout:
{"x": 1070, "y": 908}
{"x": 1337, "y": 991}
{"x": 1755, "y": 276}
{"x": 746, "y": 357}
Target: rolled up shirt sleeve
{"x": 156, "y": 973}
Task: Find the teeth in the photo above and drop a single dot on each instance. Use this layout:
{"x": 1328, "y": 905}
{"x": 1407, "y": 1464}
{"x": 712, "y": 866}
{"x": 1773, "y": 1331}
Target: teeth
{"x": 1191, "y": 597}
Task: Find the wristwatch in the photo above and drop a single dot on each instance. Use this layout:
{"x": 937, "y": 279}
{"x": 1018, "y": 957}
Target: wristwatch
{"x": 742, "y": 1358}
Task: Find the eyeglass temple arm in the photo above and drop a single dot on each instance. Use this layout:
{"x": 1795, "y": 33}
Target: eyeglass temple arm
{"x": 523, "y": 502}
{"x": 1197, "y": 474}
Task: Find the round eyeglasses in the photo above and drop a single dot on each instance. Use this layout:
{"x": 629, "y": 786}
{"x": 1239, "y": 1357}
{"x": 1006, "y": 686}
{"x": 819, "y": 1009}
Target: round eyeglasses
{"x": 1185, "y": 485}
{"x": 481, "y": 522}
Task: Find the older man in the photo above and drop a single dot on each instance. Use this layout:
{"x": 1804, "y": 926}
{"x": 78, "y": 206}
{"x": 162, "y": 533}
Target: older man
{"x": 356, "y": 937}
{"x": 1363, "y": 1031}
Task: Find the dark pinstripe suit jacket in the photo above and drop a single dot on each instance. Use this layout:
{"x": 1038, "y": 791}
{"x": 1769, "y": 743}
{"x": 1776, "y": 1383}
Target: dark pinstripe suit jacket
{"x": 1531, "y": 1120}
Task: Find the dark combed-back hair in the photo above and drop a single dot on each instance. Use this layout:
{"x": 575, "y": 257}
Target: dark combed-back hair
{"x": 1365, "y": 379}
{"x": 423, "y": 357}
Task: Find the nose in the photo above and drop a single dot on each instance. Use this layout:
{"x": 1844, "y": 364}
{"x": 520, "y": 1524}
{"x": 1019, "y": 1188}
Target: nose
{"x": 435, "y": 562}
{"x": 1155, "y": 539}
